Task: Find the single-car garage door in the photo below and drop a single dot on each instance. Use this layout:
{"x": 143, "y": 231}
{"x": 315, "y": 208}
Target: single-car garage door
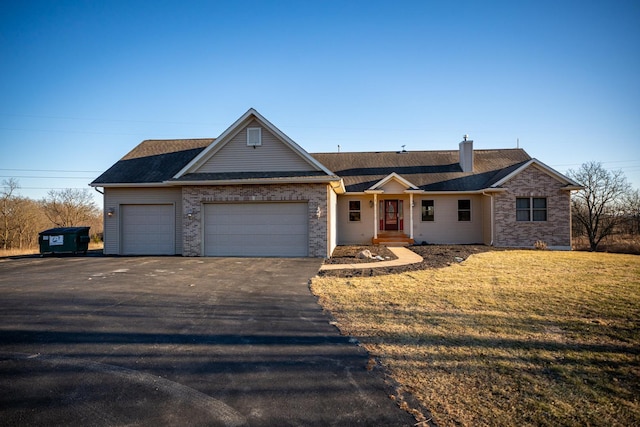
{"x": 256, "y": 229}
{"x": 147, "y": 230}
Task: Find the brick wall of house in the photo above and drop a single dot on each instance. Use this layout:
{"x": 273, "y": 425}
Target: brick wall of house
{"x": 315, "y": 194}
{"x": 533, "y": 182}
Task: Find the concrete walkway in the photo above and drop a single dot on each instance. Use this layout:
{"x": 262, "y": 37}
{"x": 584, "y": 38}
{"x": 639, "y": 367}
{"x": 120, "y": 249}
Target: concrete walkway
{"x": 405, "y": 257}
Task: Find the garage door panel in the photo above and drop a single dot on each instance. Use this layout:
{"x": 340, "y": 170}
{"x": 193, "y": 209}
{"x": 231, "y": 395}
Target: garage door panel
{"x": 256, "y": 229}
{"x": 148, "y": 229}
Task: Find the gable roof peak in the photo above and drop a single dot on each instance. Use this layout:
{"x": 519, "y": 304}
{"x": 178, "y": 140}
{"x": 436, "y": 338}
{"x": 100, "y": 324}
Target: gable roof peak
{"x": 236, "y": 127}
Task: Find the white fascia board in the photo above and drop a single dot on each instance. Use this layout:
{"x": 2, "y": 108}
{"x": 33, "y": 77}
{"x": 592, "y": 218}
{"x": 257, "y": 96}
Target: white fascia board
{"x": 368, "y": 192}
{"x": 396, "y": 177}
{"x": 132, "y": 184}
{"x": 548, "y": 170}
{"x": 462, "y": 193}
{"x": 312, "y": 180}
{"x": 232, "y": 131}
{"x": 572, "y": 188}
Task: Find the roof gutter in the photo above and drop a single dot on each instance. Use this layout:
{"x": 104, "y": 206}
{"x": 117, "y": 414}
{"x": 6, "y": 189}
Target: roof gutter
{"x": 298, "y": 180}
{"x": 432, "y": 193}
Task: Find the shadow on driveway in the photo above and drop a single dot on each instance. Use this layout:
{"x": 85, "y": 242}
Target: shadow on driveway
{"x": 178, "y": 341}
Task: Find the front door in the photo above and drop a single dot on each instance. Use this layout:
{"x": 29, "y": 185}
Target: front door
{"x": 391, "y": 216}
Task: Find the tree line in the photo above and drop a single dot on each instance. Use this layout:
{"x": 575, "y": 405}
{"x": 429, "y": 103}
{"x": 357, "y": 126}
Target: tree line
{"x": 606, "y": 206}
{"x": 22, "y": 218}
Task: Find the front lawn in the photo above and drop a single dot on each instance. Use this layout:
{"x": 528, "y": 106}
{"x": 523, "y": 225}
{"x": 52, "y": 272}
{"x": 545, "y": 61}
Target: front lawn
{"x": 505, "y": 338}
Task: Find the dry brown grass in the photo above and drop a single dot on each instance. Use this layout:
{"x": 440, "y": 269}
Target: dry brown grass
{"x": 505, "y": 338}
{"x": 619, "y": 244}
{"x": 34, "y": 251}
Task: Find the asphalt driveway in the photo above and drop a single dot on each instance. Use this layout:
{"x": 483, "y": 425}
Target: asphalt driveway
{"x": 178, "y": 341}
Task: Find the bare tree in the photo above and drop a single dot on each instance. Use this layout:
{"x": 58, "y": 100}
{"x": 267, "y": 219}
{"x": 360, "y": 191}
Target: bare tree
{"x": 69, "y": 207}
{"x": 7, "y": 211}
{"x": 632, "y": 212}
{"x": 598, "y": 207}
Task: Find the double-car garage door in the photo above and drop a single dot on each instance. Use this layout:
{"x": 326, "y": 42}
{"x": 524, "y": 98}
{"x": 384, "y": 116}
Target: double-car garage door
{"x": 230, "y": 229}
{"x": 256, "y": 229}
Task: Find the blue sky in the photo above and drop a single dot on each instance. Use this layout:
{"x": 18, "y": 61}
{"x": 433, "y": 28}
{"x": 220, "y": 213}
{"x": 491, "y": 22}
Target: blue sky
{"x": 83, "y": 82}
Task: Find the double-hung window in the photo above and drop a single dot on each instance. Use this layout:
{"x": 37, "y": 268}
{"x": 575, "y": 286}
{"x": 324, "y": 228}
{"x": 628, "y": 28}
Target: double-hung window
{"x": 464, "y": 210}
{"x": 531, "y": 209}
{"x": 354, "y": 210}
{"x": 428, "y": 210}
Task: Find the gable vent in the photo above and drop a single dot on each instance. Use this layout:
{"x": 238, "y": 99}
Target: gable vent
{"x": 254, "y": 137}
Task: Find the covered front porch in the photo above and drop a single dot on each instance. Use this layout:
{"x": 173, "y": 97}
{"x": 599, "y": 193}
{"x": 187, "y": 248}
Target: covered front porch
{"x": 393, "y": 218}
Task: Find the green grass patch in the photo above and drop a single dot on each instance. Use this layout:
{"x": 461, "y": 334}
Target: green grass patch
{"x": 506, "y": 338}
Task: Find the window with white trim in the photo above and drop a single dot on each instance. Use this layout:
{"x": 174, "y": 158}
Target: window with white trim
{"x": 531, "y": 208}
{"x": 354, "y": 210}
{"x": 464, "y": 210}
{"x": 254, "y": 137}
{"x": 428, "y": 210}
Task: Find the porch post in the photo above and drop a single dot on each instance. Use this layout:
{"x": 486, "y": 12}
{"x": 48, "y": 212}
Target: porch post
{"x": 411, "y": 215}
{"x": 375, "y": 215}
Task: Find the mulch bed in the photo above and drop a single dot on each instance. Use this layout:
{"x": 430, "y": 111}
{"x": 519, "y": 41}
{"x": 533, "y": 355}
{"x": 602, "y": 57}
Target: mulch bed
{"x": 435, "y": 256}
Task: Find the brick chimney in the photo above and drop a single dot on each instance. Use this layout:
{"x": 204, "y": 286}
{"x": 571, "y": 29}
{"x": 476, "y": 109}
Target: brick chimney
{"x": 466, "y": 154}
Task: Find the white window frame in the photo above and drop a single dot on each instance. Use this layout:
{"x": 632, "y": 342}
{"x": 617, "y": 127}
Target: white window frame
{"x": 254, "y": 137}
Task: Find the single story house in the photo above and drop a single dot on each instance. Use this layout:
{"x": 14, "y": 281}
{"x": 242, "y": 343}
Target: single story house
{"x": 254, "y": 192}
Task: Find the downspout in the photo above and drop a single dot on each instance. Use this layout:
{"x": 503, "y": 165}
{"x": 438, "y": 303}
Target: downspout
{"x": 492, "y": 216}
{"x": 96, "y": 188}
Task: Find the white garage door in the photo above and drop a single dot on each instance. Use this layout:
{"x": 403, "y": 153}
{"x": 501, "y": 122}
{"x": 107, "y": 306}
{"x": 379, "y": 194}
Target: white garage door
{"x": 256, "y": 229}
{"x": 148, "y": 230}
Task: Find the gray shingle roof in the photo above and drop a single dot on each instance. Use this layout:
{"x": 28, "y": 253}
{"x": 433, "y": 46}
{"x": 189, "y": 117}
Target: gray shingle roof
{"x": 153, "y": 161}
{"x": 156, "y": 161}
{"x": 428, "y": 170}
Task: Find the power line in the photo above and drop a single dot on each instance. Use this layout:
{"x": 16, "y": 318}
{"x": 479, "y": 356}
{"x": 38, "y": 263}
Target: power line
{"x": 48, "y": 170}
{"x": 47, "y": 177}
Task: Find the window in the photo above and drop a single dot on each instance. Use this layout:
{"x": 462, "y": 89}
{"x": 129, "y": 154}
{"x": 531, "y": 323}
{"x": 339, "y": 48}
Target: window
{"x": 464, "y": 210}
{"x": 428, "y": 210}
{"x": 254, "y": 137}
{"x": 354, "y": 210}
{"x": 531, "y": 209}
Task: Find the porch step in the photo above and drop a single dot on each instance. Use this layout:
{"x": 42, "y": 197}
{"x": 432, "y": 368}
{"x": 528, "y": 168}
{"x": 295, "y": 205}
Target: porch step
{"x": 394, "y": 239}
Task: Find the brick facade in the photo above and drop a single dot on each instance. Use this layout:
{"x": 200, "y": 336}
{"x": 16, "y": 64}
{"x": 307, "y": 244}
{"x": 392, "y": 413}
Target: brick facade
{"x": 555, "y": 231}
{"x": 194, "y": 197}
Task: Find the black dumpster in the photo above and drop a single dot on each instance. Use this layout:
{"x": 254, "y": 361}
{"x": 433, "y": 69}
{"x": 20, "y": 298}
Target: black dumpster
{"x": 64, "y": 239}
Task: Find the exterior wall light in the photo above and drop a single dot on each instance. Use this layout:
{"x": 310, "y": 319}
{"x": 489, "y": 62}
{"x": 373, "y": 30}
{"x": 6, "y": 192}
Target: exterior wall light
{"x": 370, "y": 203}
{"x": 111, "y": 212}
{"x": 190, "y": 213}
{"x": 318, "y": 212}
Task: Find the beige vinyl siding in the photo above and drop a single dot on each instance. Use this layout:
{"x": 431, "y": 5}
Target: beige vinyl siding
{"x": 272, "y": 156}
{"x": 351, "y": 232}
{"x": 446, "y": 229}
{"x": 115, "y": 197}
{"x": 393, "y": 187}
